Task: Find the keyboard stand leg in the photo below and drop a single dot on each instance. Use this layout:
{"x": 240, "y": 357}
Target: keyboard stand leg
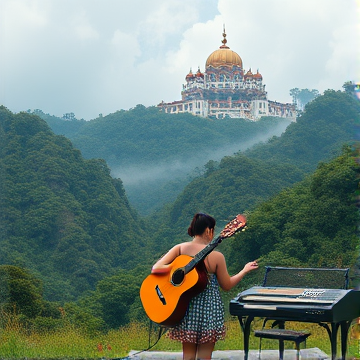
{"x": 334, "y": 330}
{"x": 281, "y": 342}
{"x": 344, "y": 327}
{"x": 333, "y": 337}
{"x": 281, "y": 349}
{"x": 246, "y": 330}
{"x": 297, "y": 351}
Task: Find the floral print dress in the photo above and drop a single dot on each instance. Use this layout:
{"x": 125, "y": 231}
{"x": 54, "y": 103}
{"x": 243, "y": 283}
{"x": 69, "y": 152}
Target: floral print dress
{"x": 204, "y": 320}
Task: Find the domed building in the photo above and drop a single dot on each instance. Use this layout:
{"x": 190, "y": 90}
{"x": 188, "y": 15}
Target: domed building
{"x": 224, "y": 90}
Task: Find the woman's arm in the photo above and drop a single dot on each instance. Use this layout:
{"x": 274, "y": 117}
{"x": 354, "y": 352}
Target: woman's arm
{"x": 226, "y": 281}
{"x": 162, "y": 265}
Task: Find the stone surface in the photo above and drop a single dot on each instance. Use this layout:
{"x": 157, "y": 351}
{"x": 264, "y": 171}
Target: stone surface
{"x": 308, "y": 354}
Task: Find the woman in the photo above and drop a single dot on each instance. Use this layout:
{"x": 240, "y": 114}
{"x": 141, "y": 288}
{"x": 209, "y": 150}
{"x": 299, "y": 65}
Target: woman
{"x": 203, "y": 324}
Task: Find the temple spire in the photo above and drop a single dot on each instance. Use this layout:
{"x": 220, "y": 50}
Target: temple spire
{"x": 224, "y": 41}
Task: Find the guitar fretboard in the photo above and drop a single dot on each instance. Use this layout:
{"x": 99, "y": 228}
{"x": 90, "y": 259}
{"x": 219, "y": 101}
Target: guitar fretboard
{"x": 201, "y": 255}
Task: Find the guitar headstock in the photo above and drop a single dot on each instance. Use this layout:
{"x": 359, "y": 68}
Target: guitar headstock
{"x": 235, "y": 225}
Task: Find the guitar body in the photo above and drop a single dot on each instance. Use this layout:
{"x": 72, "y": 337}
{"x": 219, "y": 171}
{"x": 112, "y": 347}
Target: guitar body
{"x": 165, "y": 297}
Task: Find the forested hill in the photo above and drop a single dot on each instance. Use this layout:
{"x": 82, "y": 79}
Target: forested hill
{"x": 66, "y": 218}
{"x": 238, "y": 183}
{"x": 313, "y": 224}
{"x": 327, "y": 123}
{"x": 62, "y": 216}
{"x": 155, "y": 153}
{"x": 148, "y": 136}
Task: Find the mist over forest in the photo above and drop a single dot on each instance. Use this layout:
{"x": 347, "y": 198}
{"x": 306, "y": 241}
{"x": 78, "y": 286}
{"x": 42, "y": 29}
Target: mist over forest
{"x": 183, "y": 168}
{"x": 156, "y": 154}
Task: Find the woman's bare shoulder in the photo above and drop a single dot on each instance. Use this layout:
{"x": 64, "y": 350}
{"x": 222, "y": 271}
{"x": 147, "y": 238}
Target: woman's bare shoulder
{"x": 217, "y": 255}
{"x": 217, "y": 260}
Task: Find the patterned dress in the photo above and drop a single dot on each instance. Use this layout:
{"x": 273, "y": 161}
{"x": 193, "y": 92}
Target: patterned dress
{"x": 204, "y": 320}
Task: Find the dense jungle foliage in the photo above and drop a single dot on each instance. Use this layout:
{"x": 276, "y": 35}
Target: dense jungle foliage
{"x": 70, "y": 238}
{"x": 148, "y": 136}
{"x": 327, "y": 123}
{"x": 62, "y": 216}
{"x": 311, "y": 224}
{"x": 157, "y": 154}
{"x": 238, "y": 183}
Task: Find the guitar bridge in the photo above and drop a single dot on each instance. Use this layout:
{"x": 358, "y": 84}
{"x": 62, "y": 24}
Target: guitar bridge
{"x": 160, "y": 295}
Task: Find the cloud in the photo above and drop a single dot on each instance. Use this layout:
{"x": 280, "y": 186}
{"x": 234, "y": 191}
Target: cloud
{"x": 83, "y": 29}
{"x": 344, "y": 51}
{"x": 92, "y": 56}
{"x": 25, "y": 14}
{"x": 170, "y": 17}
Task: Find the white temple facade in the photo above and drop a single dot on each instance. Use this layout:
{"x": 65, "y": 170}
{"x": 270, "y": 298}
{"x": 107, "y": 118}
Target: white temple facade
{"x": 225, "y": 90}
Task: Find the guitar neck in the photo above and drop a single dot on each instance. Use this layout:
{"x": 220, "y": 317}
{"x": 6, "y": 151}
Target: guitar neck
{"x": 201, "y": 255}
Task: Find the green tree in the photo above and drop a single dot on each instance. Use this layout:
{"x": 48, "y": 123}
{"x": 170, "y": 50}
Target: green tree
{"x": 303, "y": 96}
{"x": 294, "y": 94}
{"x": 116, "y": 296}
{"x": 306, "y": 95}
{"x": 349, "y": 87}
{"x": 20, "y": 291}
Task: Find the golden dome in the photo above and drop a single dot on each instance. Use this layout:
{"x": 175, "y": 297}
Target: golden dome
{"x": 224, "y": 56}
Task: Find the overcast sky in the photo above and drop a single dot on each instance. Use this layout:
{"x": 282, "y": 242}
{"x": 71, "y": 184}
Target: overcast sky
{"x": 100, "y": 56}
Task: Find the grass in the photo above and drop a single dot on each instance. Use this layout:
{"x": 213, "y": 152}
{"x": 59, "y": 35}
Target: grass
{"x": 71, "y": 343}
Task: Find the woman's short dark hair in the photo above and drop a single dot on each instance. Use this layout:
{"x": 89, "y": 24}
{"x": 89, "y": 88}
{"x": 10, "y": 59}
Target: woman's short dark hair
{"x": 199, "y": 224}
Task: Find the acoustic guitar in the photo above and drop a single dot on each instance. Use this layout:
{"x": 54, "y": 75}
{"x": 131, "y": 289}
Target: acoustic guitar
{"x": 166, "y": 296}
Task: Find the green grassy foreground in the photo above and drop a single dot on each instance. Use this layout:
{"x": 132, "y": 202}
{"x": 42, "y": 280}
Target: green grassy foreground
{"x": 71, "y": 343}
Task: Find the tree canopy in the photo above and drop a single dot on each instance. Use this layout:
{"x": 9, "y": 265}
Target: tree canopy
{"x": 318, "y": 134}
{"x": 69, "y": 222}
{"x": 156, "y": 153}
{"x": 312, "y": 224}
{"x": 60, "y": 214}
{"x": 240, "y": 182}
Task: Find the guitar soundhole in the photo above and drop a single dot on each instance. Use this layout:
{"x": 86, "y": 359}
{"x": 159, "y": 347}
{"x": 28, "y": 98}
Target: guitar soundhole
{"x": 178, "y": 277}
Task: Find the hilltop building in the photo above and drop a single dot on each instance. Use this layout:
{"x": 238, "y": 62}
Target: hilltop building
{"x": 225, "y": 90}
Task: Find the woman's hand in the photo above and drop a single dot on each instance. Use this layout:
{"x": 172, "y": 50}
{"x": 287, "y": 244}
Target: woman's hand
{"x": 252, "y": 265}
{"x": 160, "y": 269}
